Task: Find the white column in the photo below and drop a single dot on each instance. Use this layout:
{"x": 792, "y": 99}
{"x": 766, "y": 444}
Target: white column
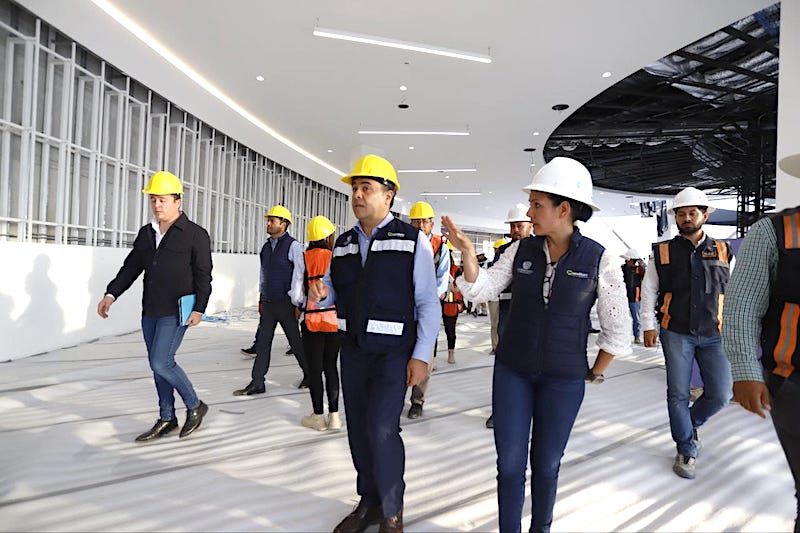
{"x": 788, "y": 185}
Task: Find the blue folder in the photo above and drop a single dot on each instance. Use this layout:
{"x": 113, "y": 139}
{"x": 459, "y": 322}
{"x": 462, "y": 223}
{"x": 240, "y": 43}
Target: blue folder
{"x": 185, "y": 307}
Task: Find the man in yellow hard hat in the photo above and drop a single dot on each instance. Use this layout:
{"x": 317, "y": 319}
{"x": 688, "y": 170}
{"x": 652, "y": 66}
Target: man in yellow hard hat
{"x": 281, "y": 289}
{"x": 175, "y": 255}
{"x": 388, "y": 309}
{"x": 422, "y": 215}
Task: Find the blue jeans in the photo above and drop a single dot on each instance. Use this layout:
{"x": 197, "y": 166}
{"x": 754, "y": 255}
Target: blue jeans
{"x": 635, "y": 307}
{"x": 531, "y": 409}
{"x": 679, "y": 353}
{"x": 163, "y": 336}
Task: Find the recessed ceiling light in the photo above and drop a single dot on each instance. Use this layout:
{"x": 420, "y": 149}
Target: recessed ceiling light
{"x": 410, "y": 132}
{"x": 259, "y": 78}
{"x": 403, "y": 45}
{"x": 560, "y": 107}
{"x": 465, "y": 193}
{"x": 403, "y": 88}
{"x": 529, "y": 149}
{"x": 490, "y": 192}
{"x": 330, "y": 151}
{"x": 168, "y": 55}
{"x": 429, "y": 170}
{"x": 410, "y": 147}
{"x": 606, "y": 74}
{"x": 447, "y": 177}
{"x": 536, "y": 133}
{"x": 533, "y": 164}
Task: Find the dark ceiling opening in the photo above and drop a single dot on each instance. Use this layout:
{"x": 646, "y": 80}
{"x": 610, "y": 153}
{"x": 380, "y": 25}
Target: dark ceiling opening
{"x": 704, "y": 115}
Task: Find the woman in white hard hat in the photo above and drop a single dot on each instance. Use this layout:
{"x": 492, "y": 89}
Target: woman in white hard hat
{"x": 541, "y": 365}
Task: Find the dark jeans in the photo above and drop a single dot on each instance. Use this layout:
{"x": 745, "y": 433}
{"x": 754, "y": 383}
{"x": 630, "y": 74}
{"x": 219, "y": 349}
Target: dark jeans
{"x": 450, "y": 330}
{"x": 374, "y": 387}
{"x": 321, "y": 351}
{"x": 274, "y": 313}
{"x": 538, "y": 410}
{"x": 785, "y": 397}
{"x": 635, "y": 308}
{"x": 163, "y": 337}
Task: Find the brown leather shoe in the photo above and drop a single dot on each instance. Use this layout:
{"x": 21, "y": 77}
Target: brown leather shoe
{"x": 362, "y": 517}
{"x": 393, "y": 524}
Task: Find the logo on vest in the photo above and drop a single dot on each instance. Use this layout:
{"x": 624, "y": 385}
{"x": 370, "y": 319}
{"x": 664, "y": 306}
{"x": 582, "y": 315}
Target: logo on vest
{"x": 582, "y": 275}
{"x": 526, "y": 267}
{"x": 391, "y": 234}
{"x": 709, "y": 253}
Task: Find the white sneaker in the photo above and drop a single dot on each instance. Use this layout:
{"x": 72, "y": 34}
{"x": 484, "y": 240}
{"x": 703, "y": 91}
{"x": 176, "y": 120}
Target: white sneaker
{"x": 684, "y": 466}
{"x": 334, "y": 422}
{"x": 314, "y": 422}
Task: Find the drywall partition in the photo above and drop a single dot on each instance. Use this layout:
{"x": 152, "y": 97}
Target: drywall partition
{"x": 49, "y": 294}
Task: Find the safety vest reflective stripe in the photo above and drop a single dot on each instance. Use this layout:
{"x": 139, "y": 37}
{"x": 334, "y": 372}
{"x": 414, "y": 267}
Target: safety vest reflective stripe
{"x": 791, "y": 231}
{"x": 393, "y": 245}
{"x": 663, "y": 253}
{"x": 787, "y": 342}
{"x": 720, "y": 303}
{"x": 665, "y": 309}
{"x": 350, "y": 249}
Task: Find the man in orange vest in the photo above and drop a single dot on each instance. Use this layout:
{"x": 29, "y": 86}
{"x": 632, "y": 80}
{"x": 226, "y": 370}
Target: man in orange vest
{"x": 319, "y": 330}
{"x": 422, "y": 216}
{"x": 761, "y": 311}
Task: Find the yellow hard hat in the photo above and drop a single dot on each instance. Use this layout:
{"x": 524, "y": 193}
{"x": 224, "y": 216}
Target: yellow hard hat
{"x": 279, "y": 211}
{"x": 373, "y": 166}
{"x": 498, "y": 243}
{"x": 163, "y": 183}
{"x": 421, "y": 210}
{"x": 318, "y": 228}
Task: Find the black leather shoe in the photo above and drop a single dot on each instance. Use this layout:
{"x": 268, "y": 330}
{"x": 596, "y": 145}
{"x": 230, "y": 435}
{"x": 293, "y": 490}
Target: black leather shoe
{"x": 251, "y": 351}
{"x": 290, "y": 351}
{"x": 490, "y": 422}
{"x": 415, "y": 411}
{"x": 250, "y": 390}
{"x": 193, "y": 419}
{"x": 393, "y": 524}
{"x": 360, "y": 519}
{"x": 159, "y": 429}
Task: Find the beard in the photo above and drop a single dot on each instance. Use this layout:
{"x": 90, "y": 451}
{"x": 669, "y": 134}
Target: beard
{"x": 689, "y": 228}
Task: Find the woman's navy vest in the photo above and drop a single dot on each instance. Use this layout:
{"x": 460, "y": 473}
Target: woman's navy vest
{"x": 551, "y": 339}
{"x": 781, "y": 324}
{"x": 276, "y": 270}
{"x": 375, "y": 303}
{"x": 691, "y": 285}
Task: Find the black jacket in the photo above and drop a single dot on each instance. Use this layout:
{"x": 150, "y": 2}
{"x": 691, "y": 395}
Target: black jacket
{"x": 181, "y": 265}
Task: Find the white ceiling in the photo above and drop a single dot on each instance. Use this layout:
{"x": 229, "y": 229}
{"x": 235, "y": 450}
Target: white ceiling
{"x": 318, "y": 92}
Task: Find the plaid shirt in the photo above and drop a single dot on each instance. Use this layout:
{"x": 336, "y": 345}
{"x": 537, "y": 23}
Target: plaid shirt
{"x": 747, "y": 299}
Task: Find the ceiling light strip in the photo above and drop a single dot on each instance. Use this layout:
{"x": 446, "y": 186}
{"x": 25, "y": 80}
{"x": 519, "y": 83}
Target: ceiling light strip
{"x": 390, "y": 132}
{"x": 428, "y": 170}
{"x": 178, "y": 63}
{"x": 402, "y": 45}
{"x": 450, "y": 193}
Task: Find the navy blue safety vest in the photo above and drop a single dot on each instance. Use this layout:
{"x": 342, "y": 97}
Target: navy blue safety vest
{"x": 781, "y": 324}
{"x": 276, "y": 270}
{"x": 375, "y": 303}
{"x": 504, "y": 297}
{"x": 551, "y": 339}
{"x": 691, "y": 284}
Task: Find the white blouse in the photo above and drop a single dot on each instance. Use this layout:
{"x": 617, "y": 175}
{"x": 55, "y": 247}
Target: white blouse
{"x": 616, "y": 328}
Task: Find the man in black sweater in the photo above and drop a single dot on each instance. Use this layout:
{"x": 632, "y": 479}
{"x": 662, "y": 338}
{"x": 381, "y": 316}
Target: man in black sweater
{"x": 175, "y": 255}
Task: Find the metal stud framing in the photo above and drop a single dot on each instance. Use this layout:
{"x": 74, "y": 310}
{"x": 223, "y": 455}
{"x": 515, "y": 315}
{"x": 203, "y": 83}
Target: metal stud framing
{"x": 78, "y": 139}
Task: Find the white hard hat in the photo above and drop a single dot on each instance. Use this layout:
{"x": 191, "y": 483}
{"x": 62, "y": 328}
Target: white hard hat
{"x": 630, "y": 254}
{"x": 790, "y": 165}
{"x": 518, "y": 213}
{"x": 565, "y": 177}
{"x": 692, "y": 197}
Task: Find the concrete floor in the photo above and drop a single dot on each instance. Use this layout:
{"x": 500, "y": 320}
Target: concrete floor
{"x": 68, "y": 419}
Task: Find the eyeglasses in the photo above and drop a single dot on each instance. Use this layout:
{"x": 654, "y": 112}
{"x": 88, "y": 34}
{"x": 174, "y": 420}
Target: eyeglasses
{"x": 549, "y": 272}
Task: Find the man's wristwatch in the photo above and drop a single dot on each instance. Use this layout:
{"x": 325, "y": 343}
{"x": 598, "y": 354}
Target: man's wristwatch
{"x": 597, "y": 379}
